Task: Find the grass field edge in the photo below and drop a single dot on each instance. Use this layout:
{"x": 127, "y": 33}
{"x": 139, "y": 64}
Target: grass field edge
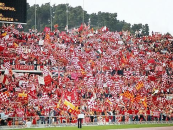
{"x": 97, "y": 127}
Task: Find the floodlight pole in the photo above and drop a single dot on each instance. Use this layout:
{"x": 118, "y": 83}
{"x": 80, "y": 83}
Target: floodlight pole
{"x": 83, "y": 12}
{"x": 35, "y": 15}
{"x": 50, "y": 16}
{"x": 67, "y": 16}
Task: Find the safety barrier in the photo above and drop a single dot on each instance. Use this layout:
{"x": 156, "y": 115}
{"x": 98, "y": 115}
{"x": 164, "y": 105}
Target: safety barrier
{"x": 59, "y": 121}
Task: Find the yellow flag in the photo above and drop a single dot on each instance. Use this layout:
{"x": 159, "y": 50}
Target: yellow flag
{"x": 22, "y": 95}
{"x": 15, "y": 44}
{"x": 83, "y": 72}
{"x": 144, "y": 102}
{"x": 129, "y": 95}
{"x": 77, "y": 108}
{"x": 4, "y": 34}
{"x": 69, "y": 104}
{"x": 108, "y": 101}
{"x": 58, "y": 104}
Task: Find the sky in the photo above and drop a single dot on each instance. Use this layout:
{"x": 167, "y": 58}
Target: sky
{"x": 158, "y": 14}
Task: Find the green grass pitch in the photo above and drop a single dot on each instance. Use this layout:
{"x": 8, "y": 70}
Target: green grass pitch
{"x": 105, "y": 127}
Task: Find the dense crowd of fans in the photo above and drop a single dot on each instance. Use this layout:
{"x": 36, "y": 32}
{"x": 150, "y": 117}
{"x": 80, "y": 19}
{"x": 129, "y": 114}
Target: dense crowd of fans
{"x": 85, "y": 71}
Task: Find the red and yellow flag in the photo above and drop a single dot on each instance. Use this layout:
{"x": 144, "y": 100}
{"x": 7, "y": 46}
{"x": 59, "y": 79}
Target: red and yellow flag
{"x": 127, "y": 94}
{"x": 47, "y": 38}
{"x": 69, "y": 105}
{"x": 22, "y": 95}
{"x": 138, "y": 98}
{"x": 139, "y": 85}
{"x": 144, "y": 102}
{"x": 58, "y": 104}
{"x": 108, "y": 102}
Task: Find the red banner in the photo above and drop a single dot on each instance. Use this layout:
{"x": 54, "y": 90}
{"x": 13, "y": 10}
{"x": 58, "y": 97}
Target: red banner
{"x": 24, "y": 67}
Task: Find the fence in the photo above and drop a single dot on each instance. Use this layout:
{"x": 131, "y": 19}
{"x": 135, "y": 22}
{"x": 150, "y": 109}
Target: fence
{"x": 57, "y": 121}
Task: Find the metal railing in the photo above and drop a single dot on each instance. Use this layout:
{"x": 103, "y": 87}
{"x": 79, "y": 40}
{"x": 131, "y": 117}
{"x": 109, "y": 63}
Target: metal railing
{"x": 57, "y": 121}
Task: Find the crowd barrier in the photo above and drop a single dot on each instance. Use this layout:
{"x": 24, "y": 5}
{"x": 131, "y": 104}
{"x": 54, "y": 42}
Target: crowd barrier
{"x": 60, "y": 121}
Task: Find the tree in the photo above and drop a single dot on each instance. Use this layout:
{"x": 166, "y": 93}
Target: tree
{"x": 126, "y": 27}
{"x": 136, "y": 27}
{"x": 94, "y": 19}
{"x": 75, "y": 18}
{"x": 60, "y": 16}
{"x": 119, "y": 25}
{"x": 145, "y": 29}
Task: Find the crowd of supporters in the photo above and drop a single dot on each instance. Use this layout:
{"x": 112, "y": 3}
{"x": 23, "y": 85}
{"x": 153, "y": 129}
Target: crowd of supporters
{"x": 96, "y": 72}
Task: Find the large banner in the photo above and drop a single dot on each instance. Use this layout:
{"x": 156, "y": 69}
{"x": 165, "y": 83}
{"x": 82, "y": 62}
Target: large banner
{"x": 13, "y": 11}
{"x": 24, "y": 67}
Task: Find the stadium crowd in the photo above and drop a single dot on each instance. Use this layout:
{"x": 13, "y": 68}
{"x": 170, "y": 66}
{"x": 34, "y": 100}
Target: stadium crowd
{"x": 108, "y": 76}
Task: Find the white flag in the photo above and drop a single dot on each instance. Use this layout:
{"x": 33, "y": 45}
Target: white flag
{"x": 41, "y": 80}
{"x": 41, "y": 42}
{"x": 6, "y": 37}
{"x": 6, "y": 71}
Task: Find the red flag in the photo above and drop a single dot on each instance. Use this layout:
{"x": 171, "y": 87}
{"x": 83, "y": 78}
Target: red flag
{"x": 80, "y": 28}
{"x": 23, "y": 98}
{"x": 32, "y": 92}
{"x": 47, "y": 80}
{"x": 56, "y": 26}
{"x": 46, "y": 29}
{"x": 151, "y": 61}
{"x": 4, "y": 79}
{"x": 19, "y": 112}
{"x": 15, "y": 31}
{"x": 19, "y": 26}
{"x": 3, "y": 97}
{"x": 74, "y": 95}
{"x": 104, "y": 29}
